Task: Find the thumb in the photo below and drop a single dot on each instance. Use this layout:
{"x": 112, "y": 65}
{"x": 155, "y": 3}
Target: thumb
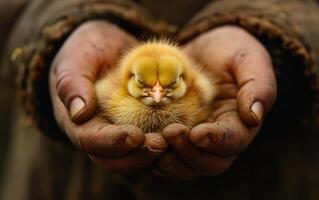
{"x": 257, "y": 84}
{"x": 92, "y": 47}
{"x": 76, "y": 91}
{"x": 74, "y": 70}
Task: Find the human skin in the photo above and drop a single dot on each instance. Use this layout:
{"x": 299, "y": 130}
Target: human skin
{"x": 90, "y": 50}
{"x": 246, "y": 87}
{"x": 245, "y": 76}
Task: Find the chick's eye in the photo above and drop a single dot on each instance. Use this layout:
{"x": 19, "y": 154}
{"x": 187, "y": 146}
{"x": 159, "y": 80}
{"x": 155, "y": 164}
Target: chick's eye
{"x": 139, "y": 82}
{"x": 173, "y": 84}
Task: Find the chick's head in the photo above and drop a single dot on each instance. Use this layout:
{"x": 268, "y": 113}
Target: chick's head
{"x": 157, "y": 79}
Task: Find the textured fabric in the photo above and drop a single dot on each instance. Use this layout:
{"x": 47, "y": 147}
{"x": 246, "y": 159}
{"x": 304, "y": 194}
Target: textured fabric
{"x": 59, "y": 19}
{"x": 282, "y": 163}
{"x": 286, "y": 28}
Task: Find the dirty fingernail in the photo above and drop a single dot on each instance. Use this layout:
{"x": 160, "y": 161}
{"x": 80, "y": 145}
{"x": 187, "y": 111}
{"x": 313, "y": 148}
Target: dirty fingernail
{"x": 76, "y": 106}
{"x": 153, "y": 152}
{"x": 258, "y": 110}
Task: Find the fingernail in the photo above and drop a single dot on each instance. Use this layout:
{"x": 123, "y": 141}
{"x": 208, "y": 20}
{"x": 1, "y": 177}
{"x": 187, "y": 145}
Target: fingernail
{"x": 257, "y": 110}
{"x": 153, "y": 151}
{"x": 203, "y": 142}
{"x": 76, "y": 106}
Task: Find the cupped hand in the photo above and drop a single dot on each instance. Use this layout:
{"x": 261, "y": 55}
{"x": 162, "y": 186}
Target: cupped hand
{"x": 89, "y": 51}
{"x": 246, "y": 89}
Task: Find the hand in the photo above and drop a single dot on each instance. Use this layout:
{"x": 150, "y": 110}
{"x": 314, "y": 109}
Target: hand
{"x": 91, "y": 50}
{"x": 246, "y": 86}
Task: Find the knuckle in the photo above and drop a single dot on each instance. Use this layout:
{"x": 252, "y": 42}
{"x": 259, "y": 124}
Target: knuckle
{"x": 62, "y": 73}
{"x": 174, "y": 130}
{"x": 238, "y": 58}
{"x": 87, "y": 139}
{"x": 201, "y": 128}
{"x": 63, "y": 86}
{"x": 115, "y": 138}
{"x": 83, "y": 142}
{"x": 131, "y": 130}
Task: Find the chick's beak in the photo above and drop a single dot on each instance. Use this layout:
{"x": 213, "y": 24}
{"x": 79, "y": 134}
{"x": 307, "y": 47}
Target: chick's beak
{"x": 157, "y": 92}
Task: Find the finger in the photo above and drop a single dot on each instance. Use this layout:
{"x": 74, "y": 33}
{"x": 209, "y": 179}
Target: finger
{"x": 155, "y": 142}
{"x": 228, "y": 136}
{"x": 96, "y": 136}
{"x": 139, "y": 159}
{"x": 101, "y": 139}
{"x": 200, "y": 161}
{"x": 255, "y": 77}
{"x": 77, "y": 94}
{"x": 75, "y": 70}
{"x": 78, "y": 63}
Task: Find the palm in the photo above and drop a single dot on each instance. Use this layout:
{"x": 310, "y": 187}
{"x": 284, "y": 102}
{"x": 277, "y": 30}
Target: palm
{"x": 246, "y": 88}
{"x": 73, "y": 72}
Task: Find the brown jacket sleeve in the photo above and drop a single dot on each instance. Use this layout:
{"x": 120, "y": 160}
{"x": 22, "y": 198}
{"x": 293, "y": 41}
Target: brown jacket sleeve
{"x": 289, "y": 30}
{"x": 42, "y": 30}
{"x": 9, "y": 13}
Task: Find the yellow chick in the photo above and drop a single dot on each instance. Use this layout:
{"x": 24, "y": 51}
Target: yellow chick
{"x": 155, "y": 85}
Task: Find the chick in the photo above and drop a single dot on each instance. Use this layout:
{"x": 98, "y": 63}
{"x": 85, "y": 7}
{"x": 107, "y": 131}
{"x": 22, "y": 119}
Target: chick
{"x": 155, "y": 85}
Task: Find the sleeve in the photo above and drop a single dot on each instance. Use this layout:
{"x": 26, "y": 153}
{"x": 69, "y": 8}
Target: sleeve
{"x": 41, "y": 31}
{"x": 289, "y": 30}
{"x": 9, "y": 13}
